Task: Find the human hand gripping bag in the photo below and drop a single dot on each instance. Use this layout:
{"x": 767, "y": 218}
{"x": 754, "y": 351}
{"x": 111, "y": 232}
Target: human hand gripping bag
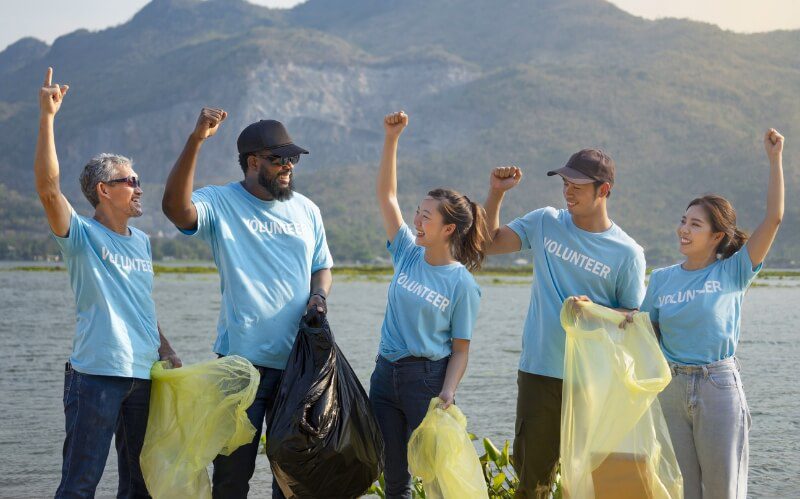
{"x": 614, "y": 439}
{"x": 322, "y": 440}
{"x": 441, "y": 454}
{"x": 196, "y": 412}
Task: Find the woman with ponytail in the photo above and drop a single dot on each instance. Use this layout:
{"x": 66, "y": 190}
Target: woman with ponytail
{"x": 695, "y": 308}
{"x": 431, "y": 310}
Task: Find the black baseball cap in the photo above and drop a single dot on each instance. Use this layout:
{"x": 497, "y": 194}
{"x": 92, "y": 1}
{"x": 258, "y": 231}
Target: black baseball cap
{"x": 267, "y": 134}
{"x": 587, "y": 166}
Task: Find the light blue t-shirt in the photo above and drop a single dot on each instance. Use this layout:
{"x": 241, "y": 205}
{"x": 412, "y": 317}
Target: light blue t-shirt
{"x": 699, "y": 311}
{"x": 112, "y": 277}
{"x": 266, "y": 252}
{"x": 608, "y": 267}
{"x": 428, "y": 305}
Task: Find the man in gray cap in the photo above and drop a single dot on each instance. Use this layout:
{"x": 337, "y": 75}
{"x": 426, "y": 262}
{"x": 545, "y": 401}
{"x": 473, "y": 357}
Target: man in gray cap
{"x": 273, "y": 260}
{"x": 577, "y": 252}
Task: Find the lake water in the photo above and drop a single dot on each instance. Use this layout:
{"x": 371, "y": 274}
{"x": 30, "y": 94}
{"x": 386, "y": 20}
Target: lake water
{"x": 37, "y": 324}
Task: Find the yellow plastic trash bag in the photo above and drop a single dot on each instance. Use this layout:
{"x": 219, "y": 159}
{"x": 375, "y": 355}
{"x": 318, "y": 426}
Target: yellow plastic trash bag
{"x": 441, "y": 454}
{"x": 614, "y": 440}
{"x": 196, "y": 412}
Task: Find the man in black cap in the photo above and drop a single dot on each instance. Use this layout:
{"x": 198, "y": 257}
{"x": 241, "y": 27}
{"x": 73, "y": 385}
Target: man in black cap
{"x": 578, "y": 252}
{"x": 273, "y": 259}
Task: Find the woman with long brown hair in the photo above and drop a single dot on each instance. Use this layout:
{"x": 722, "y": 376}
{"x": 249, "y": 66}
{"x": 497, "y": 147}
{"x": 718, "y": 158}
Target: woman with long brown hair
{"x": 695, "y": 307}
{"x": 431, "y": 309}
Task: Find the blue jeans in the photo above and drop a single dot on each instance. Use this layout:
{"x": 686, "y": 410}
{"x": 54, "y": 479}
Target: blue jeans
{"x": 709, "y": 423}
{"x": 400, "y": 393}
{"x": 232, "y": 473}
{"x": 97, "y": 408}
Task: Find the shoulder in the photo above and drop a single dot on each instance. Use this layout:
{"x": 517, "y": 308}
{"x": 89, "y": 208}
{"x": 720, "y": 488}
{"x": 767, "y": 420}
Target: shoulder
{"x": 138, "y": 234}
{"x": 214, "y": 192}
{"x": 629, "y": 247}
{"x": 659, "y": 275}
{"x": 299, "y": 201}
{"x": 466, "y": 282}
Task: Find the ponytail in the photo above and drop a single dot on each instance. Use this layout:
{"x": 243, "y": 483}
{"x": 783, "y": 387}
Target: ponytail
{"x": 723, "y": 219}
{"x": 468, "y": 242}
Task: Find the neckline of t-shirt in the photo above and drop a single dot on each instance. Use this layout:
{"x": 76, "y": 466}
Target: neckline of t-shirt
{"x": 253, "y": 198}
{"x": 695, "y": 271}
{"x": 588, "y": 232}
{"x": 448, "y": 266}
{"x": 111, "y": 232}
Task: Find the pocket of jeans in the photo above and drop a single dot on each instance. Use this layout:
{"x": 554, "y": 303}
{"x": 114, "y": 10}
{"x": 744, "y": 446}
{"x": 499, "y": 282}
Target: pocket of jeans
{"x": 724, "y": 379}
{"x": 434, "y": 383}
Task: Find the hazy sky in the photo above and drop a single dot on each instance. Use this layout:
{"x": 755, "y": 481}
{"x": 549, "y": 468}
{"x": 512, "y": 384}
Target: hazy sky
{"x": 48, "y": 19}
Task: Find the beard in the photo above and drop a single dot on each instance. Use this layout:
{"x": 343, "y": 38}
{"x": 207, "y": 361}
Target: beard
{"x": 135, "y": 209}
{"x": 274, "y": 187}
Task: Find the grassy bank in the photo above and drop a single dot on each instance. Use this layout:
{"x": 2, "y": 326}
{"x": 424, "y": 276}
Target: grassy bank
{"x": 370, "y": 271}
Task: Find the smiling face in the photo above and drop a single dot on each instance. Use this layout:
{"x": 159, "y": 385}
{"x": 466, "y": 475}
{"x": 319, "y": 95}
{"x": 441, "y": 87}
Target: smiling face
{"x": 277, "y": 179}
{"x": 121, "y": 196}
{"x": 695, "y": 233}
{"x": 429, "y": 223}
{"x": 584, "y": 199}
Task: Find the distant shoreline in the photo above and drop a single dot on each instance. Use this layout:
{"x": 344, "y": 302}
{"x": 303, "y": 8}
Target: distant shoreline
{"x": 347, "y": 271}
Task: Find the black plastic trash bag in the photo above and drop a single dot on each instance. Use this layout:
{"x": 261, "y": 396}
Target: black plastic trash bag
{"x": 323, "y": 440}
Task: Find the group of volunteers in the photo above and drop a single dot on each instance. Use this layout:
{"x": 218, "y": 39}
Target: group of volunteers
{"x": 269, "y": 246}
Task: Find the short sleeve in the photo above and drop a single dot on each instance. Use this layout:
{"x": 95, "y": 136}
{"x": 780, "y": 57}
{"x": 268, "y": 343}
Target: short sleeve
{"x": 526, "y": 227}
{"x": 76, "y": 238}
{"x": 649, "y": 301}
{"x": 321, "y": 258}
{"x": 739, "y": 267}
{"x": 204, "y": 201}
{"x": 465, "y": 312}
{"x": 402, "y": 244}
{"x": 630, "y": 282}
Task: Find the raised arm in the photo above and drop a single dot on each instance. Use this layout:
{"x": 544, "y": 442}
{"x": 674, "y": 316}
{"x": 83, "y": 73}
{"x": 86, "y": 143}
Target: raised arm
{"x": 760, "y": 242}
{"x": 503, "y": 240}
{"x": 177, "y": 201}
{"x": 386, "y": 185}
{"x": 45, "y": 163}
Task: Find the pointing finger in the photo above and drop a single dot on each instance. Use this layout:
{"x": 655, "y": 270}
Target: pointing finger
{"x": 48, "y": 77}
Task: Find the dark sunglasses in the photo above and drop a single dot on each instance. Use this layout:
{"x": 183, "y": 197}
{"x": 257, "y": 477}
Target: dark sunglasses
{"x": 132, "y": 181}
{"x": 281, "y": 160}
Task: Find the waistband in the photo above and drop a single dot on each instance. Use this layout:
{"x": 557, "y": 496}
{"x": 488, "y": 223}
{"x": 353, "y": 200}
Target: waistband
{"x": 411, "y": 362}
{"x": 724, "y": 365}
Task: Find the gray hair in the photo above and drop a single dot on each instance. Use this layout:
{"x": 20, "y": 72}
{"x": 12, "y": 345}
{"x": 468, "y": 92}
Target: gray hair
{"x": 100, "y": 168}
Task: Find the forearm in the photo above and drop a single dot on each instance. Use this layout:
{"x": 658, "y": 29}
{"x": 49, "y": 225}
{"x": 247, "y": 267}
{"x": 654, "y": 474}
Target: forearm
{"x": 386, "y": 186}
{"x": 775, "y": 190}
{"x": 177, "y": 201}
{"x": 456, "y": 368}
{"x": 164, "y": 347}
{"x": 321, "y": 282}
{"x": 492, "y": 206}
{"x": 45, "y": 165}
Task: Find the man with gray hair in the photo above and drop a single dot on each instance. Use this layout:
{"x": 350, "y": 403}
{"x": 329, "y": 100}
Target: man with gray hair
{"x": 117, "y": 339}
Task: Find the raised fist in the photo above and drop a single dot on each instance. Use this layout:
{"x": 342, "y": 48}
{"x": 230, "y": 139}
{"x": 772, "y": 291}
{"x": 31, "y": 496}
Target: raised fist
{"x": 208, "y": 122}
{"x": 395, "y": 123}
{"x": 773, "y": 144}
{"x": 51, "y": 94}
{"x": 504, "y": 178}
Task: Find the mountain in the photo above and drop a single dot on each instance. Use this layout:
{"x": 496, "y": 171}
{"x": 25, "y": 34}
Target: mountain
{"x": 680, "y": 105}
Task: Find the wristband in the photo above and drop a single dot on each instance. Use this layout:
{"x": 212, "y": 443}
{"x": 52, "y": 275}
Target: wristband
{"x": 320, "y": 295}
